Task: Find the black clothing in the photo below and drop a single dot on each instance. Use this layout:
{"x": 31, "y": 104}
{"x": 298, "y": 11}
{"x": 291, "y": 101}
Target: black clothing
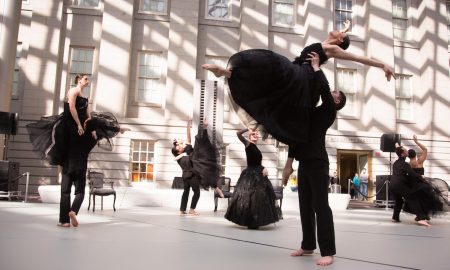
{"x": 322, "y": 118}
{"x": 253, "y": 200}
{"x": 421, "y": 199}
{"x": 56, "y": 139}
{"x": 313, "y": 174}
{"x": 199, "y": 168}
{"x": 275, "y": 91}
{"x": 420, "y": 171}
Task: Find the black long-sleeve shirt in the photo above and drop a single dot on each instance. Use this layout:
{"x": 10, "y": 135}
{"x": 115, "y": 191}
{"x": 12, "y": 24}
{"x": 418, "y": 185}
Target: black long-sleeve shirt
{"x": 322, "y": 117}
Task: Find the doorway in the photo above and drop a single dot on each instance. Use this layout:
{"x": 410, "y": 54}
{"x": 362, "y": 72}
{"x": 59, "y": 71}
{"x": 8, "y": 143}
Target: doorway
{"x": 350, "y": 162}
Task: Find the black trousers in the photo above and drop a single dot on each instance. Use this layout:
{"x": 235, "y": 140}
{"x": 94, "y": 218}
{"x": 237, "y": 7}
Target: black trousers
{"x": 194, "y": 183}
{"x": 79, "y": 180}
{"x": 414, "y": 207}
{"x": 313, "y": 182}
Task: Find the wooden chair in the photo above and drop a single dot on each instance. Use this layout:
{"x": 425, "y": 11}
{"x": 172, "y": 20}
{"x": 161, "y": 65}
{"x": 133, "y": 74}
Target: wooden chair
{"x": 224, "y": 183}
{"x": 96, "y": 188}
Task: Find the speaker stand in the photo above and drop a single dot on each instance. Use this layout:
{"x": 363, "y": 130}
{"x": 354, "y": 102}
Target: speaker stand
{"x": 388, "y": 180}
{"x": 5, "y": 147}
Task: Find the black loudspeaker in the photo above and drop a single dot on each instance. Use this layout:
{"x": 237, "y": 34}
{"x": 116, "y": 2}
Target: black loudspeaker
{"x": 8, "y": 123}
{"x": 9, "y": 173}
{"x": 381, "y": 188}
{"x": 387, "y": 142}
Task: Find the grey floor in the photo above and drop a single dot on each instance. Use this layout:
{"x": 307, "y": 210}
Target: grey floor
{"x": 159, "y": 238}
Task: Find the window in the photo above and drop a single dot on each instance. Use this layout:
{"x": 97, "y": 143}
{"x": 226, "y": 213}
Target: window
{"x": 403, "y": 97}
{"x": 142, "y": 160}
{"x": 149, "y": 88}
{"x": 15, "y": 83}
{"x": 81, "y": 63}
{"x": 223, "y": 159}
{"x": 400, "y": 19}
{"x": 86, "y": 3}
{"x": 153, "y": 6}
{"x": 283, "y": 13}
{"x": 218, "y": 9}
{"x": 346, "y": 83}
{"x": 343, "y": 12}
{"x": 448, "y": 20}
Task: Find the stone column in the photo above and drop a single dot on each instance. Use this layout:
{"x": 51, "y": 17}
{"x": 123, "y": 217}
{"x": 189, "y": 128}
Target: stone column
{"x": 114, "y": 60}
{"x": 182, "y": 59}
{"x": 9, "y": 29}
{"x": 254, "y": 25}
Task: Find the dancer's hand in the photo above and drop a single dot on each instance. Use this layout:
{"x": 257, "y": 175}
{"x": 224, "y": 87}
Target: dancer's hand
{"x": 415, "y": 138}
{"x": 388, "y": 73}
{"x": 315, "y": 61}
{"x": 85, "y": 121}
{"x": 347, "y": 24}
{"x": 287, "y": 171}
{"x": 80, "y": 130}
{"x": 265, "y": 172}
{"x": 122, "y": 130}
{"x": 94, "y": 135}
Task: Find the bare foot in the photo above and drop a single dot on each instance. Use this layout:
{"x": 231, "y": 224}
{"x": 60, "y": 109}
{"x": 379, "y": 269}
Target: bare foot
{"x": 395, "y": 220}
{"x": 73, "y": 218}
{"x": 301, "y": 252}
{"x": 324, "y": 261}
{"x": 183, "y": 213}
{"x": 64, "y": 225}
{"x": 218, "y": 71}
{"x": 192, "y": 212}
{"x": 423, "y": 223}
{"x": 219, "y": 192}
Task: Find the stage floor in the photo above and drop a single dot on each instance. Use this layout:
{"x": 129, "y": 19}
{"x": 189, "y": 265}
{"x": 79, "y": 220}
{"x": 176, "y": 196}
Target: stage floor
{"x": 159, "y": 238}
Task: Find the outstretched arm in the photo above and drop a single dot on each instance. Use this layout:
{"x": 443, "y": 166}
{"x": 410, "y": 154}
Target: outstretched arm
{"x": 188, "y": 131}
{"x": 424, "y": 154}
{"x": 240, "y": 136}
{"x": 338, "y": 53}
{"x": 347, "y": 24}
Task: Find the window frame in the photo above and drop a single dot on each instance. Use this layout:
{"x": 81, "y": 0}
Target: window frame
{"x": 140, "y": 10}
{"x": 395, "y": 30}
{"x": 230, "y": 10}
{"x": 16, "y": 75}
{"x": 400, "y": 78}
{"x": 354, "y": 93}
{"x": 146, "y": 163}
{"x": 294, "y": 13}
{"x": 351, "y": 12}
{"x": 70, "y": 66}
{"x": 160, "y": 81}
{"x": 75, "y": 4}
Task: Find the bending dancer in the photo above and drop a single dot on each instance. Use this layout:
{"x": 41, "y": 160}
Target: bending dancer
{"x": 67, "y": 139}
{"x": 199, "y": 166}
{"x": 275, "y": 92}
{"x": 417, "y": 162}
{"x": 313, "y": 172}
{"x": 420, "y": 197}
{"x": 253, "y": 200}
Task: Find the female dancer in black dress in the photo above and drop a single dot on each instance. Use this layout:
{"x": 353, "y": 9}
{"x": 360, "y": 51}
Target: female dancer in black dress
{"x": 417, "y": 162}
{"x": 67, "y": 139}
{"x": 199, "y": 165}
{"x": 275, "y": 92}
{"x": 421, "y": 198}
{"x": 253, "y": 201}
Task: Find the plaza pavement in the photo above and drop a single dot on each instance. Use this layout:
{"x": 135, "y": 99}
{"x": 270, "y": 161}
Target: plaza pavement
{"x": 159, "y": 238}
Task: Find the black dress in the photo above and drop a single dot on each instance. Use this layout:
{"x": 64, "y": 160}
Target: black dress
{"x": 427, "y": 194}
{"x": 275, "y": 91}
{"x": 55, "y": 138}
{"x": 253, "y": 200}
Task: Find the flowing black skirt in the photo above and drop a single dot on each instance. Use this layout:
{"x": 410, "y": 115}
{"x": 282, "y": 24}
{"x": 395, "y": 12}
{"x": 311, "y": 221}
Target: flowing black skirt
{"x": 253, "y": 200}
{"x": 56, "y": 139}
{"x": 431, "y": 196}
{"x": 274, "y": 91}
{"x": 205, "y": 160}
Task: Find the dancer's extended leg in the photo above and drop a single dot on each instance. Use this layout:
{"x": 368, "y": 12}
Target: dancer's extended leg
{"x": 218, "y": 71}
